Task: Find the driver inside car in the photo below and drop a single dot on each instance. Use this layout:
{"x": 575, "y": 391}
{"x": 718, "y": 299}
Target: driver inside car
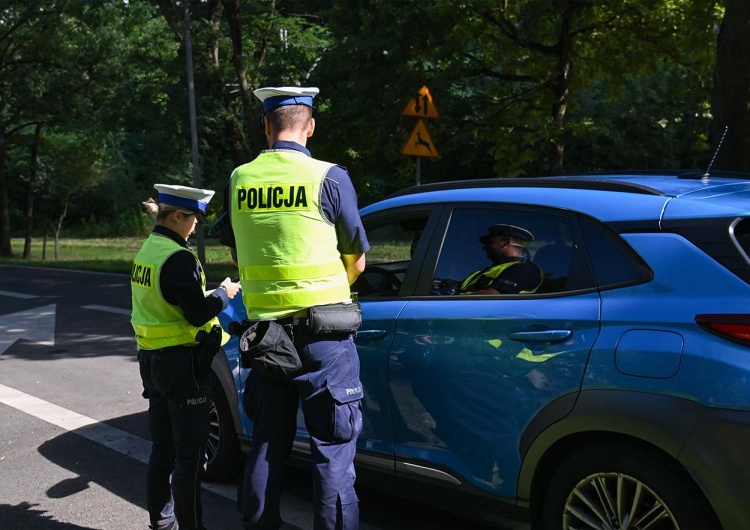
{"x": 511, "y": 271}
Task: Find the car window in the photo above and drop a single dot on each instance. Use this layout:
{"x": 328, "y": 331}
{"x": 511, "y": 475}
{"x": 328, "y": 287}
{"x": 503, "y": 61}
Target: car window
{"x": 612, "y": 259}
{"x": 462, "y": 252}
{"x": 392, "y": 245}
{"x": 741, "y": 232}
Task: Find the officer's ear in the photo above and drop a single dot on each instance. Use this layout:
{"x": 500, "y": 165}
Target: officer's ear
{"x": 310, "y": 127}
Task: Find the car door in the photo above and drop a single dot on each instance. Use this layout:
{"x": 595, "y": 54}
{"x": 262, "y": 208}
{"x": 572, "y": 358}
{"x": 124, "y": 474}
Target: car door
{"x": 468, "y": 373}
{"x": 398, "y": 240}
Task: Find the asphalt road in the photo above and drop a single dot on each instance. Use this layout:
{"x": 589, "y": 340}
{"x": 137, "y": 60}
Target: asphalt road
{"x": 73, "y": 426}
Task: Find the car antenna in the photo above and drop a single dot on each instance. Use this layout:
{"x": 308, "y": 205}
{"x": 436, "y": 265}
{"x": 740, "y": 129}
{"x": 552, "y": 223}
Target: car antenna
{"x": 705, "y": 175}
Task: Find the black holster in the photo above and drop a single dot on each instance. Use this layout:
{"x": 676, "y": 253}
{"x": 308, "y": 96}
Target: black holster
{"x": 203, "y": 354}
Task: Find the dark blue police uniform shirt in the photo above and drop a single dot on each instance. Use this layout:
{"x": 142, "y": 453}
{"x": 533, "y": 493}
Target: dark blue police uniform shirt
{"x": 338, "y": 203}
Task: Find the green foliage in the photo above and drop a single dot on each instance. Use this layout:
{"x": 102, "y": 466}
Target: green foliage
{"x": 124, "y": 224}
{"x": 656, "y": 121}
{"x": 615, "y": 85}
{"x": 113, "y": 255}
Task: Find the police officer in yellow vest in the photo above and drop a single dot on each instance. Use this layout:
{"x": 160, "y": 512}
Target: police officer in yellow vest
{"x": 171, "y": 313}
{"x": 511, "y": 272}
{"x": 299, "y": 244}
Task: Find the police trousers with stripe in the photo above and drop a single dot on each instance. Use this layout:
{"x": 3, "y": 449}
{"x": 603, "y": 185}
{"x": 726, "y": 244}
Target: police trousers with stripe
{"x": 330, "y": 391}
{"x": 178, "y": 412}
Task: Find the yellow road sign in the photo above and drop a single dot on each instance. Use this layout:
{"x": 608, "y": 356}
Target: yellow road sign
{"x": 420, "y": 143}
{"x": 422, "y": 106}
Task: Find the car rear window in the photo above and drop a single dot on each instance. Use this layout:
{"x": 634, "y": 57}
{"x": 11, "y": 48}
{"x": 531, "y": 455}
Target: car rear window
{"x": 726, "y": 240}
{"x": 615, "y": 263}
{"x": 741, "y": 232}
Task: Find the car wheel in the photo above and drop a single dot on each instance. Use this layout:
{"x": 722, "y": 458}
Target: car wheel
{"x": 223, "y": 448}
{"x": 616, "y": 487}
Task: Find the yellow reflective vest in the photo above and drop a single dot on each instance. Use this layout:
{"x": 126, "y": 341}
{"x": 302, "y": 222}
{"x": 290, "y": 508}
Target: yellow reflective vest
{"x": 287, "y": 251}
{"x": 157, "y": 323}
{"x": 469, "y": 284}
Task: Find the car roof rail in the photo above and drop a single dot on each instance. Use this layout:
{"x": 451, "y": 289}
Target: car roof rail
{"x": 698, "y": 175}
{"x": 687, "y": 174}
{"x": 532, "y": 182}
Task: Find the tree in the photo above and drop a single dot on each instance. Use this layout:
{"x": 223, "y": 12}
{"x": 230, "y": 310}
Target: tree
{"x": 731, "y": 94}
{"x": 509, "y": 79}
{"x": 555, "y": 50}
{"x": 71, "y": 164}
{"x": 529, "y": 87}
{"x": 92, "y": 70}
{"x": 22, "y": 57}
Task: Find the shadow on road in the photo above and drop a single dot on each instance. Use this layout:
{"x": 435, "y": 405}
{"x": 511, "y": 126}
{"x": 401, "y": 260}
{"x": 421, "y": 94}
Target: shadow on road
{"x": 25, "y": 516}
{"x": 125, "y": 477}
{"x": 119, "y": 474}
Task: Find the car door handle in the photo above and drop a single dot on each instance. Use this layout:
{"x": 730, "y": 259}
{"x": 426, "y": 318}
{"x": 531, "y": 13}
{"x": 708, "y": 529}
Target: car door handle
{"x": 548, "y": 335}
{"x": 372, "y": 334}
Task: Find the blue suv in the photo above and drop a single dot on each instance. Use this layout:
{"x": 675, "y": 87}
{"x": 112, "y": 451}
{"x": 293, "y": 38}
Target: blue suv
{"x": 617, "y": 395}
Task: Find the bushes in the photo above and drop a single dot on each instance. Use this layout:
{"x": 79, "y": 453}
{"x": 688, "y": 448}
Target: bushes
{"x": 126, "y": 224}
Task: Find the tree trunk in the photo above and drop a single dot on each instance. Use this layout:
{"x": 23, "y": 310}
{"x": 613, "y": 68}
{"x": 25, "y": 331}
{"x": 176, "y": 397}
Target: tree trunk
{"x": 242, "y": 142}
{"x": 29, "y": 222}
{"x": 561, "y": 87}
{"x": 212, "y": 52}
{"x": 173, "y": 17}
{"x": 58, "y": 228}
{"x": 44, "y": 242}
{"x": 33, "y": 165}
{"x": 236, "y": 123}
{"x": 5, "y": 248}
{"x": 731, "y": 94}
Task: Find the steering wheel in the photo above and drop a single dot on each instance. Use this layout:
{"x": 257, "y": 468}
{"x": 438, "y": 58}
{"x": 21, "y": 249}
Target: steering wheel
{"x": 390, "y": 281}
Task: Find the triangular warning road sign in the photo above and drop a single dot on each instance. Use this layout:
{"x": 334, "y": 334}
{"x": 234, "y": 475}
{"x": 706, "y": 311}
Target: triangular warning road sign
{"x": 422, "y": 106}
{"x": 420, "y": 143}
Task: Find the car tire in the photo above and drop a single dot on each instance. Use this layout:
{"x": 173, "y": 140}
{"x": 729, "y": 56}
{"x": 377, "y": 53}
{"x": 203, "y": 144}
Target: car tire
{"x": 613, "y": 485}
{"x": 223, "y": 449}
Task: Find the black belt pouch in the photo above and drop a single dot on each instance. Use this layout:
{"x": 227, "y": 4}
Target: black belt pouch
{"x": 266, "y": 347}
{"x": 335, "y": 319}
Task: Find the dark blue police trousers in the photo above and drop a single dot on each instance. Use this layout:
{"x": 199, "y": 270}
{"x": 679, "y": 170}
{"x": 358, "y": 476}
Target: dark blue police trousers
{"x": 178, "y": 413}
{"x": 331, "y": 393}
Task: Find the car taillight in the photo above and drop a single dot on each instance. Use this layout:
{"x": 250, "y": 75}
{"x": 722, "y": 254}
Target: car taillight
{"x": 731, "y": 327}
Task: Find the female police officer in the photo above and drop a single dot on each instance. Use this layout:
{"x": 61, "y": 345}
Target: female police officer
{"x": 171, "y": 308}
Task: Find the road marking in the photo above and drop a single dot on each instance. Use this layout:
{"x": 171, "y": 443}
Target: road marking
{"x": 118, "y": 440}
{"x": 18, "y": 295}
{"x": 36, "y": 325}
{"x": 107, "y": 309}
{"x": 297, "y": 511}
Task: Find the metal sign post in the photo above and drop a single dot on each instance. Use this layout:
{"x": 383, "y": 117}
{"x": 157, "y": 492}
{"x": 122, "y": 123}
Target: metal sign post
{"x": 193, "y": 128}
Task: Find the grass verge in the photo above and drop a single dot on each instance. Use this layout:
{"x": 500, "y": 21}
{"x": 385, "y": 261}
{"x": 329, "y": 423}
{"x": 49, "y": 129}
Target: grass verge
{"x": 109, "y": 255}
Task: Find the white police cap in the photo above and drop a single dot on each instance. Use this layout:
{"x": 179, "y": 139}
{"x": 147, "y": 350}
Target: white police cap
{"x": 273, "y": 97}
{"x": 191, "y": 199}
{"x": 507, "y": 230}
